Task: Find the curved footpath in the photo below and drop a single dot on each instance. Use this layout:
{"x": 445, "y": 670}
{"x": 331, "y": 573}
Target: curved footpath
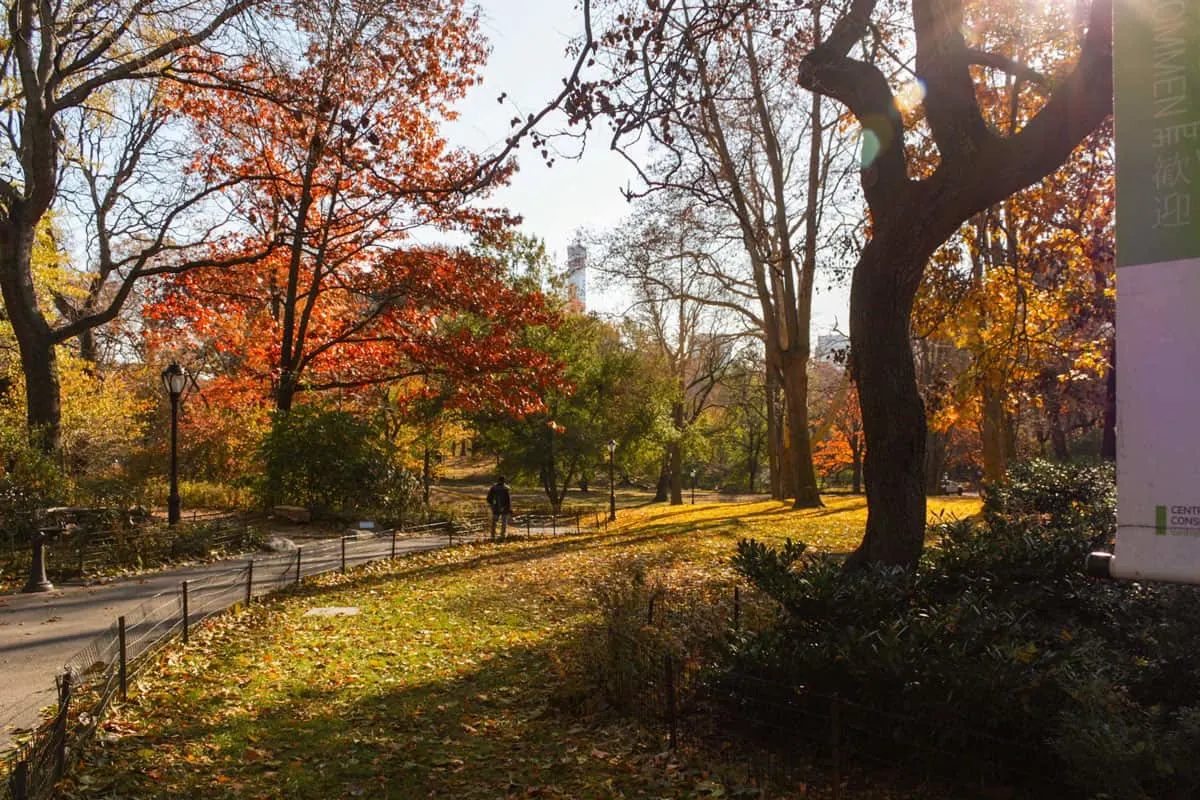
{"x": 39, "y": 633}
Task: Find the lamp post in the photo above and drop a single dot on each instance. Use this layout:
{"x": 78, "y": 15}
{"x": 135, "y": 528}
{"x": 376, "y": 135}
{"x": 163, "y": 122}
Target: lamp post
{"x": 174, "y": 380}
{"x": 612, "y": 486}
{"x": 693, "y": 486}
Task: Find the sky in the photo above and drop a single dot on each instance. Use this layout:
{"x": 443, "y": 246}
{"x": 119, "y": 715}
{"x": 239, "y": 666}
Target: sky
{"x": 529, "y": 40}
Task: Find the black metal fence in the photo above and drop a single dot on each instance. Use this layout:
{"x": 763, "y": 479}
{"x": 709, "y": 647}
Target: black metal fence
{"x": 89, "y": 550}
{"x": 101, "y": 671}
{"x": 834, "y": 745}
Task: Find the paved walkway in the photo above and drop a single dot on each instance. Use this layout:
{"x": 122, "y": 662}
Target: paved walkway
{"x": 39, "y": 633}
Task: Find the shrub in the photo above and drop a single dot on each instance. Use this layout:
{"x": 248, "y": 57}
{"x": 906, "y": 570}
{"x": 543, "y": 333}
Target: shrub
{"x": 30, "y": 480}
{"x": 997, "y": 647}
{"x": 1066, "y": 494}
{"x": 644, "y": 621}
{"x": 631, "y": 646}
{"x": 325, "y": 460}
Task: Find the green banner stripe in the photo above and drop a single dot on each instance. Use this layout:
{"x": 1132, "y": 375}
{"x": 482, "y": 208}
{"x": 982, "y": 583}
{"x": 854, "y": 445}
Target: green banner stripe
{"x": 1156, "y": 53}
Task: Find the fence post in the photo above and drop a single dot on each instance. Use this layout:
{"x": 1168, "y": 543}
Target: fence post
{"x": 737, "y": 608}
{"x": 343, "y": 554}
{"x": 529, "y": 525}
{"x": 249, "y": 582}
{"x": 553, "y": 522}
{"x": 18, "y": 782}
{"x": 299, "y": 562}
{"x": 122, "y": 673}
{"x": 835, "y": 743}
{"x": 184, "y": 590}
{"x": 576, "y": 523}
{"x": 393, "y": 544}
{"x": 669, "y": 668}
{"x": 60, "y": 726}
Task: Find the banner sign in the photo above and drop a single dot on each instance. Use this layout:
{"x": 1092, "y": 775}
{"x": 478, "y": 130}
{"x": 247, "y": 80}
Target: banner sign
{"x": 1157, "y": 119}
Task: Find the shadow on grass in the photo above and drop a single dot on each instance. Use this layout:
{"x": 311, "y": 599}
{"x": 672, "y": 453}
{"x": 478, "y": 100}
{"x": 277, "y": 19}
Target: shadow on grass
{"x": 490, "y": 731}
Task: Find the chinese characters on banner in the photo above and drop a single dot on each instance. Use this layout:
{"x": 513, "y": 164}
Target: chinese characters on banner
{"x": 1157, "y": 118}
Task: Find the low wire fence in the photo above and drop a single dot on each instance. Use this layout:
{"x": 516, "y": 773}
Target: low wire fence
{"x": 93, "y": 549}
{"x": 796, "y": 739}
{"x": 101, "y": 671}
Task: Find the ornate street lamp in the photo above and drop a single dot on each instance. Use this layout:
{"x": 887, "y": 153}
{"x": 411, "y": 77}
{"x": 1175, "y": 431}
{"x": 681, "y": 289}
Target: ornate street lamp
{"x": 174, "y": 380}
{"x": 612, "y": 487}
{"x": 693, "y": 486}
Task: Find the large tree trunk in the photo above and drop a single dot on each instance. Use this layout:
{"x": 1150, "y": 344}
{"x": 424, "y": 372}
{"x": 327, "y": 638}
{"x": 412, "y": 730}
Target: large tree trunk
{"x": 662, "y": 489}
{"x": 675, "y": 459}
{"x": 774, "y": 436}
{"x": 992, "y": 431}
{"x": 35, "y": 340}
{"x": 803, "y": 476}
{"x": 893, "y": 415}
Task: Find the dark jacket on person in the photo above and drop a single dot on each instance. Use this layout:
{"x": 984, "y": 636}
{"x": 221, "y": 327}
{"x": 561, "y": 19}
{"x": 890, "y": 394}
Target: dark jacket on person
{"x": 499, "y": 499}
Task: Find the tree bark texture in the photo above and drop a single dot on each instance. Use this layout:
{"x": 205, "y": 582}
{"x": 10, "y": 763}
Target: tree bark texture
{"x": 35, "y": 339}
{"x": 893, "y": 415}
{"x": 803, "y": 476}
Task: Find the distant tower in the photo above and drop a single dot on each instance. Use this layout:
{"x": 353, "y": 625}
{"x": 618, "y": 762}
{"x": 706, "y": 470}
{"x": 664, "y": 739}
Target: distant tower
{"x": 577, "y": 273}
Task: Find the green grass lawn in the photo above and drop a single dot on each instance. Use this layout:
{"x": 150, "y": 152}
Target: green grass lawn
{"x": 454, "y": 679}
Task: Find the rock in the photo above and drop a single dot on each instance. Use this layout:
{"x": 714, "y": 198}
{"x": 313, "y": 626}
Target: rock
{"x": 280, "y": 544}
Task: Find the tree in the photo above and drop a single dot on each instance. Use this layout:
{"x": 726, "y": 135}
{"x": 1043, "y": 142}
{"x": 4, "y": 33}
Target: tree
{"x": 348, "y": 136}
{"x": 709, "y": 85}
{"x": 917, "y": 198}
{"x": 610, "y": 392}
{"x": 659, "y": 258}
{"x": 1033, "y": 308}
{"x": 838, "y": 435}
{"x": 737, "y": 426}
{"x": 978, "y": 166}
{"x": 86, "y": 129}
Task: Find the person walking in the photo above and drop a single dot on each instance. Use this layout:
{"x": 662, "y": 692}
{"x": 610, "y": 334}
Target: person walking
{"x": 500, "y": 501}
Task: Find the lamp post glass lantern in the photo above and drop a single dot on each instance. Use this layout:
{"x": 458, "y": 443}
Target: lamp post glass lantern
{"x": 612, "y": 486}
{"x": 693, "y": 486}
{"x": 174, "y": 380}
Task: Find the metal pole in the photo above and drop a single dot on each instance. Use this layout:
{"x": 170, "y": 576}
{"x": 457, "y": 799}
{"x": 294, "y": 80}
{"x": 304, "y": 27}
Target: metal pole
{"x": 612, "y": 486}
{"x": 393, "y": 544}
{"x": 299, "y": 563}
{"x": 60, "y": 726}
{"x": 343, "y": 554}
{"x": 173, "y": 503}
{"x": 19, "y": 781}
{"x": 123, "y": 674}
{"x": 672, "y": 735}
{"x": 249, "y": 582}
{"x": 185, "y": 612}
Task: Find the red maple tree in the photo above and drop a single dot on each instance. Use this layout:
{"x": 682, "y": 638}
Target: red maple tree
{"x": 336, "y": 156}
